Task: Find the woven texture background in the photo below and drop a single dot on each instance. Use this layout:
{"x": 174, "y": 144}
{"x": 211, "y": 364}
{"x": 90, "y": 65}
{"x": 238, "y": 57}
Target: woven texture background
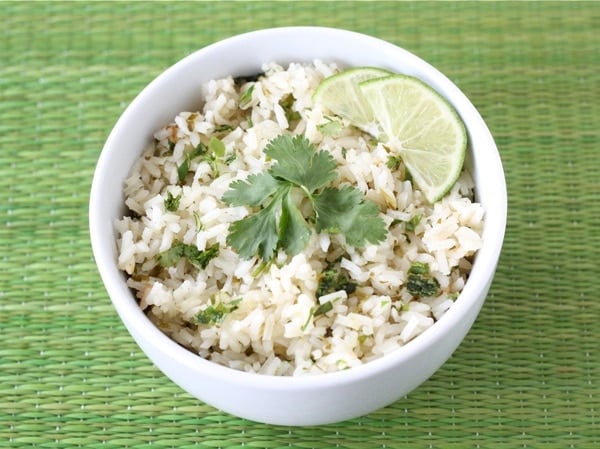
{"x": 528, "y": 374}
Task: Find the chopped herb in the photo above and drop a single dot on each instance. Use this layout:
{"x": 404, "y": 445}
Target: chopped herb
{"x": 412, "y": 224}
{"x": 419, "y": 268}
{"x": 217, "y": 147}
{"x": 183, "y": 169}
{"x": 240, "y": 80}
{"x": 420, "y": 282}
{"x": 171, "y": 145}
{"x": 279, "y": 223}
{"x": 290, "y": 114}
{"x": 223, "y": 128}
{"x": 393, "y": 162}
{"x": 395, "y": 222}
{"x": 195, "y": 256}
{"x": 172, "y": 202}
{"x": 199, "y": 225}
{"x": 246, "y": 97}
{"x": 216, "y": 312}
{"x": 331, "y": 128}
{"x": 323, "y": 308}
{"x": 334, "y": 279}
{"x": 229, "y": 159}
{"x": 213, "y": 154}
{"x": 308, "y": 320}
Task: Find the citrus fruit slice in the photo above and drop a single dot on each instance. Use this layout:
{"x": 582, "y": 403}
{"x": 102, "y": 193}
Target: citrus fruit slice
{"x": 341, "y": 95}
{"x": 422, "y": 127}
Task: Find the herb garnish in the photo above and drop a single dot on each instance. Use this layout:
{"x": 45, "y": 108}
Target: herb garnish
{"x": 215, "y": 313}
{"x": 195, "y": 256}
{"x": 393, "y": 162}
{"x": 332, "y": 279}
{"x": 279, "y": 223}
{"x": 246, "y": 97}
{"x": 322, "y": 309}
{"x": 412, "y": 224}
{"x": 290, "y": 114}
{"x": 172, "y": 202}
{"x": 213, "y": 154}
{"x": 420, "y": 282}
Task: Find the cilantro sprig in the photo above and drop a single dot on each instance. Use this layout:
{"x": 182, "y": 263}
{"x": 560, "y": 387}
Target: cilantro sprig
{"x": 278, "y": 222}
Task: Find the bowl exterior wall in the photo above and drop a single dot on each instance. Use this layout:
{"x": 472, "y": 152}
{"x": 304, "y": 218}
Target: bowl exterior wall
{"x": 314, "y": 399}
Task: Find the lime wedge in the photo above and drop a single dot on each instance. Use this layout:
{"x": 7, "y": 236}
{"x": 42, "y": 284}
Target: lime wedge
{"x": 340, "y": 94}
{"x": 422, "y": 127}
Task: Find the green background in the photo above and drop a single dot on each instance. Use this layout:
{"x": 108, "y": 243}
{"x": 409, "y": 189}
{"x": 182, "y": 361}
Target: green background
{"x": 528, "y": 373}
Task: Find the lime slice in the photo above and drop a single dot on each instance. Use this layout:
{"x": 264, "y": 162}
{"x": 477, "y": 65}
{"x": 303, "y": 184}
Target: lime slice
{"x": 422, "y": 127}
{"x": 341, "y": 95}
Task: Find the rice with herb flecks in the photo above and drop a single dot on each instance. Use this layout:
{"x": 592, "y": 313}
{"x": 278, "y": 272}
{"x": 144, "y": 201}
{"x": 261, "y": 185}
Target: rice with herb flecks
{"x": 330, "y": 307}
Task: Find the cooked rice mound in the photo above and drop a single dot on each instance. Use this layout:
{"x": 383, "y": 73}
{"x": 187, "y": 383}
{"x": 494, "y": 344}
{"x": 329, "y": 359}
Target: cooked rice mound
{"x": 273, "y": 328}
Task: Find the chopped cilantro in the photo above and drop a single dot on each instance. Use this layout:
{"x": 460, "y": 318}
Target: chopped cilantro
{"x": 323, "y": 308}
{"x": 171, "y": 145}
{"x": 395, "y": 221}
{"x": 246, "y": 97}
{"x": 290, "y": 114}
{"x": 419, "y": 268}
{"x": 334, "y": 279}
{"x": 195, "y": 256}
{"x": 420, "y": 282}
{"x": 216, "y": 312}
{"x": 393, "y": 162}
{"x": 412, "y": 224}
{"x": 198, "y": 222}
{"x": 214, "y": 153}
{"x": 172, "y": 202}
{"x": 183, "y": 169}
{"x": 279, "y": 223}
{"x": 223, "y": 128}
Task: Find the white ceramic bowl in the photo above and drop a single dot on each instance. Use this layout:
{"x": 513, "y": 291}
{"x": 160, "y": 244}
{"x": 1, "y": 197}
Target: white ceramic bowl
{"x": 309, "y": 400}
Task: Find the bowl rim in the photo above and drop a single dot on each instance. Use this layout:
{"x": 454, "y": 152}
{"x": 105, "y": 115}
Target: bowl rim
{"x": 142, "y": 329}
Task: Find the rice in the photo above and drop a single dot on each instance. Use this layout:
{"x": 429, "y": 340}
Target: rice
{"x": 274, "y": 327}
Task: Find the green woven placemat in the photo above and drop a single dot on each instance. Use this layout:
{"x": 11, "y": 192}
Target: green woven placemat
{"x": 528, "y": 373}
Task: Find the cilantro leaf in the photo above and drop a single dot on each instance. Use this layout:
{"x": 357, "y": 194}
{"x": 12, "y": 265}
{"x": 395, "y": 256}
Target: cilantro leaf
{"x": 298, "y": 167}
{"x": 345, "y": 211}
{"x": 293, "y": 230}
{"x": 252, "y": 191}
{"x": 256, "y": 234}
{"x": 299, "y": 163}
